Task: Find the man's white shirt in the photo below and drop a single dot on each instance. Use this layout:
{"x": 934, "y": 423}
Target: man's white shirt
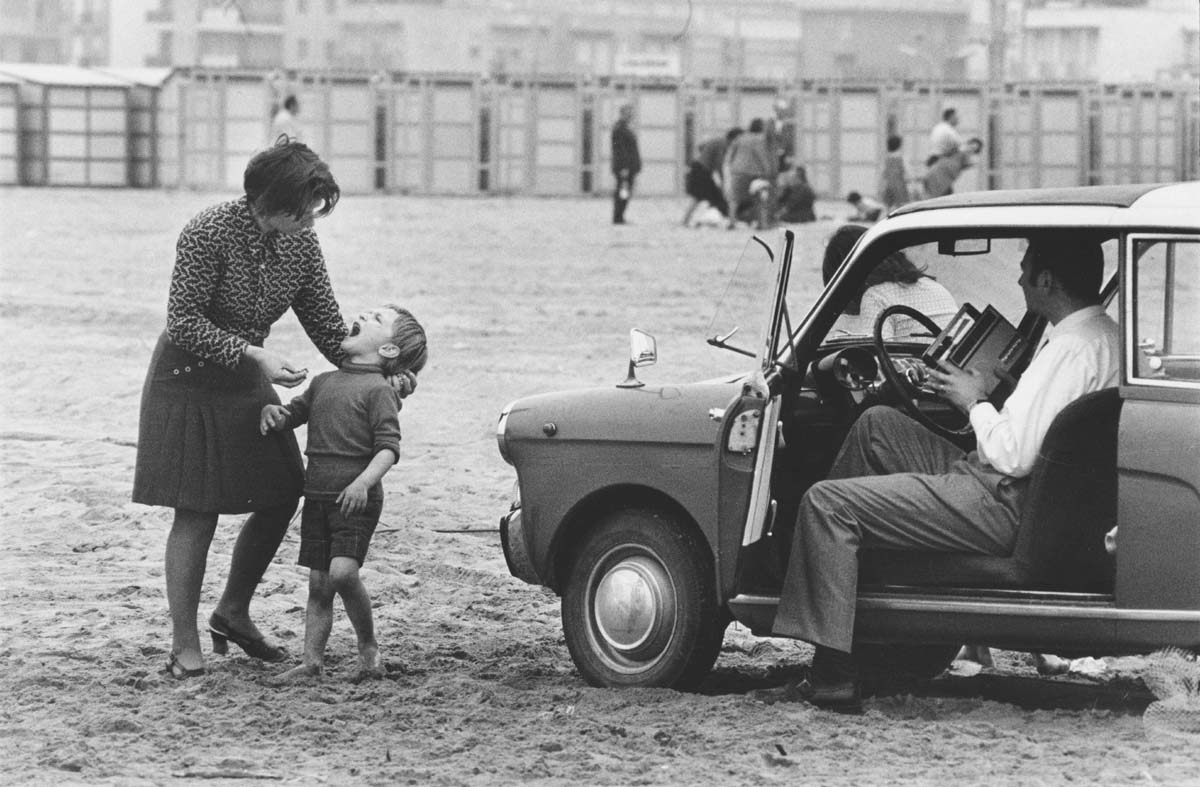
{"x": 1082, "y": 354}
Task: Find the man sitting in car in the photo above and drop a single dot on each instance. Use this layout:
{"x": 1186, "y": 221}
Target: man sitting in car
{"x": 896, "y": 485}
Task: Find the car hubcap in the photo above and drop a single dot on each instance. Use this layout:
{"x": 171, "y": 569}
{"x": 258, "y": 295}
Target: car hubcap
{"x": 634, "y": 606}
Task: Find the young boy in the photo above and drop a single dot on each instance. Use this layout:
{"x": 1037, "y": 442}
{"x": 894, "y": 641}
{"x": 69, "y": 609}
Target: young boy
{"x": 353, "y": 440}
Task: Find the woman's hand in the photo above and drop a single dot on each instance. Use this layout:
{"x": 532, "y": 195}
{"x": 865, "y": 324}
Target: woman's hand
{"x": 404, "y": 382}
{"x": 277, "y": 369}
{"x": 272, "y": 419}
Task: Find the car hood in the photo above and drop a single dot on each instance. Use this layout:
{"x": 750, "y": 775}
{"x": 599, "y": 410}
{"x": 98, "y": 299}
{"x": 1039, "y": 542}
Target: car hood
{"x": 652, "y": 413}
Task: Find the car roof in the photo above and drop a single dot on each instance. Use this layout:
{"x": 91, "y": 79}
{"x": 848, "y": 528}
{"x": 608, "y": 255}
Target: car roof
{"x": 1122, "y": 196}
{"x": 1129, "y": 205}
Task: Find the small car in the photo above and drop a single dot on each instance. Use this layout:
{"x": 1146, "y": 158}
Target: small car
{"x": 662, "y": 512}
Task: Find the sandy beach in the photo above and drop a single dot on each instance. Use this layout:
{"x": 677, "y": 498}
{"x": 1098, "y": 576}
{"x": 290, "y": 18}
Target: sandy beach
{"x": 519, "y": 296}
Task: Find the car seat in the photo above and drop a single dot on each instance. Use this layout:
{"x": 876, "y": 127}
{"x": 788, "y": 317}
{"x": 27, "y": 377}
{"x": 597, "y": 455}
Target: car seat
{"x": 1070, "y": 503}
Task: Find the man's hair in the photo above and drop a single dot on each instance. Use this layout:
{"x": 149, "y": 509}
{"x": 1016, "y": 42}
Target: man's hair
{"x": 1075, "y": 261}
{"x": 288, "y": 178}
{"x": 854, "y": 198}
{"x": 893, "y": 143}
{"x": 948, "y": 113}
{"x": 756, "y": 126}
{"x": 409, "y": 336}
{"x": 291, "y": 104}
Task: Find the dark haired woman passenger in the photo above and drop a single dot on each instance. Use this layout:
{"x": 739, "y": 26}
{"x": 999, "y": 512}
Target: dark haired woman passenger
{"x": 239, "y": 266}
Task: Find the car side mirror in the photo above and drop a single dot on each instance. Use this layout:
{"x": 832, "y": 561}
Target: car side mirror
{"x": 643, "y": 351}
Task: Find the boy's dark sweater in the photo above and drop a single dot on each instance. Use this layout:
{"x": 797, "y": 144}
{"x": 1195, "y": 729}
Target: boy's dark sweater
{"x": 352, "y": 414}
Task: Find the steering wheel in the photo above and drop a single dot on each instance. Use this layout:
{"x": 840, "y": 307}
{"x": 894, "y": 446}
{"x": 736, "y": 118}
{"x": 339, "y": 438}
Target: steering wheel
{"x": 908, "y": 392}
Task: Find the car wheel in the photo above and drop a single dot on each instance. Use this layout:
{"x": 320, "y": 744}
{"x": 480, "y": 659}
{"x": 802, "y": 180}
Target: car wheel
{"x": 886, "y": 667}
{"x": 640, "y": 604}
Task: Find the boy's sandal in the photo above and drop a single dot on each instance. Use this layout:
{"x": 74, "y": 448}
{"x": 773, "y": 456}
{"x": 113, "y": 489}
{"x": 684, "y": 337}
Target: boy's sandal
{"x": 180, "y": 672}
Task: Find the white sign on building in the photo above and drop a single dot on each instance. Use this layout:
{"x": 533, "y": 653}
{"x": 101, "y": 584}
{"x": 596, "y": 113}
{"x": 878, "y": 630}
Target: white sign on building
{"x": 647, "y": 64}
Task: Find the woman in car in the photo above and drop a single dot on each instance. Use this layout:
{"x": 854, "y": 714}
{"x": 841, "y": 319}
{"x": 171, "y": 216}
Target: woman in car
{"x": 894, "y": 281}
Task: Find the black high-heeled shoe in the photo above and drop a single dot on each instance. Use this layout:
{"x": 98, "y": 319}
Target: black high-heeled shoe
{"x": 180, "y": 672}
{"x": 223, "y": 634}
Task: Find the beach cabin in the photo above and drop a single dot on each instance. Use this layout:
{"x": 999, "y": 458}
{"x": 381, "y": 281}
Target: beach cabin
{"x": 155, "y": 130}
{"x": 74, "y": 126}
{"x": 10, "y": 104}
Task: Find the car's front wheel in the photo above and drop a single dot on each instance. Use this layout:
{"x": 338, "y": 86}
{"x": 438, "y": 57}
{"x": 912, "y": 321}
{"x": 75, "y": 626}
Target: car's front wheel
{"x": 640, "y": 604}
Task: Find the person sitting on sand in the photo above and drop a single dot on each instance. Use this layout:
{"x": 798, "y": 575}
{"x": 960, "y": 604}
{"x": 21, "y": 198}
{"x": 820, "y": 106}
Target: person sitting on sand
{"x": 353, "y": 440}
{"x": 865, "y": 208}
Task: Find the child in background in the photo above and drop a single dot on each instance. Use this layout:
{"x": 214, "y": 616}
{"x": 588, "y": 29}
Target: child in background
{"x": 865, "y": 208}
{"x": 353, "y": 440}
{"x": 893, "y": 183}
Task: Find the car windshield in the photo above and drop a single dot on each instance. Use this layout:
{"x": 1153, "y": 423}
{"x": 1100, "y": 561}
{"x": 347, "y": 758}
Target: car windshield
{"x": 936, "y": 277}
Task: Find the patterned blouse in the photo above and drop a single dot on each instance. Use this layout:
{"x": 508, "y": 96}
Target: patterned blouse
{"x": 232, "y": 282}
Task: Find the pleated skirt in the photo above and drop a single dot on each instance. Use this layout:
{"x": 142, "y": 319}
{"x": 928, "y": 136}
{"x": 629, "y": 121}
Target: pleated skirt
{"x": 199, "y": 447}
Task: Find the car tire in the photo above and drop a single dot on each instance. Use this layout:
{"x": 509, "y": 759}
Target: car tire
{"x": 640, "y": 604}
{"x": 885, "y": 668}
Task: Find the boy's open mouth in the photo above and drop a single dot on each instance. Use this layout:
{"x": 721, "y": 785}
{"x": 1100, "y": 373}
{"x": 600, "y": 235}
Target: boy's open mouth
{"x": 355, "y": 328}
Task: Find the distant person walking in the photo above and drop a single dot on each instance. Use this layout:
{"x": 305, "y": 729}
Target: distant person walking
{"x": 944, "y": 140}
{"x": 893, "y": 182}
{"x": 704, "y": 179}
{"x": 285, "y": 122}
{"x": 939, "y": 181}
{"x": 626, "y": 162}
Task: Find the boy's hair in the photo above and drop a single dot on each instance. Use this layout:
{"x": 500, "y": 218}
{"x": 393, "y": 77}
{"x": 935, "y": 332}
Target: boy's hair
{"x": 409, "y": 336}
{"x": 854, "y": 198}
{"x": 288, "y": 178}
{"x": 893, "y": 143}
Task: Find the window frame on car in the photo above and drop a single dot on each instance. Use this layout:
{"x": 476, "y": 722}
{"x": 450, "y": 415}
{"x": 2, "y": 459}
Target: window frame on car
{"x": 1131, "y": 309}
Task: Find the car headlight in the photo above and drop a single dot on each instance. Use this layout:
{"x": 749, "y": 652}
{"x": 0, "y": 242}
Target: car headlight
{"x": 501, "y": 433}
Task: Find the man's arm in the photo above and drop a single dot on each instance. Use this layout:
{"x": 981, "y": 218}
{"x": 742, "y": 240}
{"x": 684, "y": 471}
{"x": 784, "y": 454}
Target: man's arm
{"x": 1009, "y": 439}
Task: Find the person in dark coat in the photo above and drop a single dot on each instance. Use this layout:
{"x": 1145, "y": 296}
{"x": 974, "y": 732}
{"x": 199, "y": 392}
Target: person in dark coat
{"x": 626, "y": 162}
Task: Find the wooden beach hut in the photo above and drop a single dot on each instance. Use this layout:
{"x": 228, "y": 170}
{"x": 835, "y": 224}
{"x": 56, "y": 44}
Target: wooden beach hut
{"x": 74, "y": 125}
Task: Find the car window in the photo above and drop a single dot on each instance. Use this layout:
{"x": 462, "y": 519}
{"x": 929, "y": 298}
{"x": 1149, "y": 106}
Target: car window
{"x": 987, "y": 278}
{"x": 1166, "y": 310}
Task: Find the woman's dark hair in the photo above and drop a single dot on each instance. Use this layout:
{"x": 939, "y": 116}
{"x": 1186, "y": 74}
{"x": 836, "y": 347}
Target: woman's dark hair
{"x": 734, "y": 133}
{"x": 893, "y": 143}
{"x": 895, "y": 267}
{"x": 289, "y": 178}
{"x": 838, "y": 247}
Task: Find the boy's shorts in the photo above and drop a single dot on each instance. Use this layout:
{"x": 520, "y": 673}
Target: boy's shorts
{"x": 326, "y": 533}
